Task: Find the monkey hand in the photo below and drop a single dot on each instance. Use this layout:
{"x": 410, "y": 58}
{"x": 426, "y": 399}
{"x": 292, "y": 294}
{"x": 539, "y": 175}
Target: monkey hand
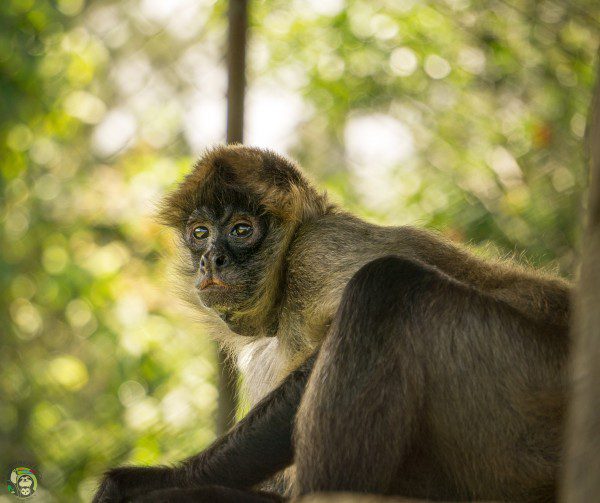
{"x": 120, "y": 485}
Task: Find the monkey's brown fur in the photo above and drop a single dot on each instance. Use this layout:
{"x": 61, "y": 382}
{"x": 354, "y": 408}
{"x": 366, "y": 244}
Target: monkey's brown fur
{"x": 436, "y": 374}
{"x": 314, "y": 249}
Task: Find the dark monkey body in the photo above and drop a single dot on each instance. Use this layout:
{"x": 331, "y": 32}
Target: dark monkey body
{"x": 379, "y": 360}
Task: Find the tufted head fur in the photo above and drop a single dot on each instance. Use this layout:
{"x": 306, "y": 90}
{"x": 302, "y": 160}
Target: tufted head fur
{"x": 249, "y": 175}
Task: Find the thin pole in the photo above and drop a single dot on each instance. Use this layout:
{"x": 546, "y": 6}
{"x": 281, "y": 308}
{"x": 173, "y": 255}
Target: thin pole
{"x": 227, "y": 402}
{"x": 236, "y": 69}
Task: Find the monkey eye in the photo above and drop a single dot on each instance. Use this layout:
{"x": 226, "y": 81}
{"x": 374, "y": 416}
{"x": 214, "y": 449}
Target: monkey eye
{"x": 242, "y": 230}
{"x": 200, "y": 232}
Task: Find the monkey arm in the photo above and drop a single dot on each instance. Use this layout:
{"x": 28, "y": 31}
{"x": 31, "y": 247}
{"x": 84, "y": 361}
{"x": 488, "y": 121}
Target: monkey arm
{"x": 257, "y": 447}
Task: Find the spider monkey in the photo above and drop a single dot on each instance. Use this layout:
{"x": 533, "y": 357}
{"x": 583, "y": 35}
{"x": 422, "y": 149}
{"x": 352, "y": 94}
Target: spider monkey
{"x": 380, "y": 360}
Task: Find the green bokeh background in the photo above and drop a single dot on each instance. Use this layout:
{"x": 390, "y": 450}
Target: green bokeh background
{"x": 99, "y": 362}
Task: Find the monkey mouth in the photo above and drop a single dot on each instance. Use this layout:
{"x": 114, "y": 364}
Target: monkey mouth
{"x": 212, "y": 283}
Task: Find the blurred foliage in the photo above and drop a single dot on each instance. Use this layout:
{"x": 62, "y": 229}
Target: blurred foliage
{"x": 463, "y": 116}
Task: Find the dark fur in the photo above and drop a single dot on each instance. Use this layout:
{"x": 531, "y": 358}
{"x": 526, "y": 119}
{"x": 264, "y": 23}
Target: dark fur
{"x": 441, "y": 377}
{"x": 438, "y": 375}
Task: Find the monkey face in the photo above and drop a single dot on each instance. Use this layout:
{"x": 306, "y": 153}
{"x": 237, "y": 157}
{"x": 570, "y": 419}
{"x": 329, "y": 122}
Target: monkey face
{"x": 25, "y": 481}
{"x": 225, "y": 243}
{"x": 237, "y": 212}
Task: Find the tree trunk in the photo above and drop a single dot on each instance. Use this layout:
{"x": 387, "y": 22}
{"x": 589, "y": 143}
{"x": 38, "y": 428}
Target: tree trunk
{"x": 582, "y": 474}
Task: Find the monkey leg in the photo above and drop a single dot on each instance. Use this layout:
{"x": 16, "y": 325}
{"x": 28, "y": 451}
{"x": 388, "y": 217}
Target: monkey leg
{"x": 366, "y": 383}
{"x": 426, "y": 387}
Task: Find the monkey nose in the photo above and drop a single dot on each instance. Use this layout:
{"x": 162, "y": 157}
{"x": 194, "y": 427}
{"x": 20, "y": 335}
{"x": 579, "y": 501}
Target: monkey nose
{"x": 216, "y": 262}
{"x": 220, "y": 261}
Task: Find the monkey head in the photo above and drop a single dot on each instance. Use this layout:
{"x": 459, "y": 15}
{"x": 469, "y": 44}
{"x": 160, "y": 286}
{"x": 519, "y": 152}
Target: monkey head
{"x": 236, "y": 213}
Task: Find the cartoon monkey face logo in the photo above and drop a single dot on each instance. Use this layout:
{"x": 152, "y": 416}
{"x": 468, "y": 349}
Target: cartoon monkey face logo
{"x": 25, "y": 485}
{"x": 22, "y": 482}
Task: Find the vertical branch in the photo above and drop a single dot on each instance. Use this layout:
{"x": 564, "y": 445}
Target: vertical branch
{"x": 582, "y": 475}
{"x": 236, "y": 69}
{"x": 227, "y": 403}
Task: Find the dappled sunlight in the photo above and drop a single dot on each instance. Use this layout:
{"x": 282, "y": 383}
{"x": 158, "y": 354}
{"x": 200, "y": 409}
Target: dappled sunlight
{"x": 460, "y": 117}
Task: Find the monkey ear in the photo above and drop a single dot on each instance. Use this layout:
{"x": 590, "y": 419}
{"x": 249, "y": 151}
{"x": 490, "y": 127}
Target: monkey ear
{"x": 275, "y": 182}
